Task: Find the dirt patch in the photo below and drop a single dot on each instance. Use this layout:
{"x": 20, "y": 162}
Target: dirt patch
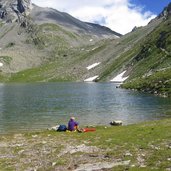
{"x": 101, "y": 165}
{"x": 80, "y": 148}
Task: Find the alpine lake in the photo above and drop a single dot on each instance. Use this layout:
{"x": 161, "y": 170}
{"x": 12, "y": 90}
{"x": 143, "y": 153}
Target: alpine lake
{"x": 38, "y": 106}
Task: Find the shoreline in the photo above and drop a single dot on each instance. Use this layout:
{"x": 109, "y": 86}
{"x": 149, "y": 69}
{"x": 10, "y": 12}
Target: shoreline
{"x": 145, "y": 145}
{"x": 81, "y": 126}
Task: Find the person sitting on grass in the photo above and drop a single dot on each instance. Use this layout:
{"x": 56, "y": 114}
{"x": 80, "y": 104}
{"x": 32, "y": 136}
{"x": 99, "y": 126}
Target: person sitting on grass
{"x": 72, "y": 124}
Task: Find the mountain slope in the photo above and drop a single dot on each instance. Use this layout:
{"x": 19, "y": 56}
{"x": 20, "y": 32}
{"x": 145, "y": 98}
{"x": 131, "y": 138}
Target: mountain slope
{"x": 70, "y": 64}
{"x": 31, "y": 36}
{"x": 151, "y": 65}
{"x": 47, "y": 45}
{"x": 49, "y": 15}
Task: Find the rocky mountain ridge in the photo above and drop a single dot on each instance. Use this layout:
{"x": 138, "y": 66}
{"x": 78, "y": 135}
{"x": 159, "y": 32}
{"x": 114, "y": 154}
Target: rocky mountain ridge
{"x": 22, "y": 28}
{"x": 18, "y": 10}
{"x": 49, "y": 15}
{"x": 166, "y": 12}
{"x": 14, "y": 10}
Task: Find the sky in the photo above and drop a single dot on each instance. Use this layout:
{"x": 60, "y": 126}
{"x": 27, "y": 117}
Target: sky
{"x": 119, "y": 15}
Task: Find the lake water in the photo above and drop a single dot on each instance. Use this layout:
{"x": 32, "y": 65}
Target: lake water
{"x": 42, "y": 105}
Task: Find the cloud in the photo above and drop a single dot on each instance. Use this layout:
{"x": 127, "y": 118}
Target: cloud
{"x": 119, "y": 15}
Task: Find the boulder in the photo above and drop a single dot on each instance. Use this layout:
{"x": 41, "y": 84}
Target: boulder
{"x": 116, "y": 123}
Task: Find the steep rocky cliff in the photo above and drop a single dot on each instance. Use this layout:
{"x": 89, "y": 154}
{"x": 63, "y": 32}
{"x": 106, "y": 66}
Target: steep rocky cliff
{"x": 14, "y": 10}
{"x": 166, "y": 12}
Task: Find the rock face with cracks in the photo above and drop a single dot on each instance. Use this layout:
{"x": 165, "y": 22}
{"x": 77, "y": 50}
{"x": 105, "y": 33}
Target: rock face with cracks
{"x": 15, "y": 10}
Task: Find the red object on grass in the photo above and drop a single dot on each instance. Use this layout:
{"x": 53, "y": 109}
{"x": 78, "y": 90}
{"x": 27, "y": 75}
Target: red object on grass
{"x": 89, "y": 129}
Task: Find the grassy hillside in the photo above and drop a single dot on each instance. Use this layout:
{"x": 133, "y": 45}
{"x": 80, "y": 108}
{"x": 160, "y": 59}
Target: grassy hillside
{"x": 151, "y": 64}
{"x": 42, "y": 52}
{"x": 65, "y": 54}
{"x": 146, "y": 146}
{"x": 158, "y": 83}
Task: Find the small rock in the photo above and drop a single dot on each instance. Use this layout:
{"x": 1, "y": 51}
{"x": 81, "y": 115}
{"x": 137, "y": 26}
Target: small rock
{"x": 116, "y": 123}
{"x": 34, "y": 136}
{"x": 1, "y": 64}
{"x": 168, "y": 169}
{"x": 20, "y": 152}
{"x": 54, "y": 163}
{"x": 106, "y": 156}
{"x": 143, "y": 155}
{"x": 93, "y": 155}
{"x": 157, "y": 148}
{"x": 44, "y": 142}
{"x": 142, "y": 166}
{"x": 168, "y": 146}
{"x": 128, "y": 154}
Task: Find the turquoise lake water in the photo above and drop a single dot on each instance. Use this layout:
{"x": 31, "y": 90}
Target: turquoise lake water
{"x": 28, "y": 107}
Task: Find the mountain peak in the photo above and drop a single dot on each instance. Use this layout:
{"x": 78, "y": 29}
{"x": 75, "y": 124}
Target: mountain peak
{"x": 166, "y": 12}
{"x": 14, "y": 10}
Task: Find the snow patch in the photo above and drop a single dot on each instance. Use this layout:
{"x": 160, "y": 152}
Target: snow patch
{"x": 94, "y": 48}
{"x": 91, "y": 78}
{"x": 117, "y": 36}
{"x": 93, "y": 65}
{"x": 1, "y": 64}
{"x": 119, "y": 78}
{"x": 91, "y": 40}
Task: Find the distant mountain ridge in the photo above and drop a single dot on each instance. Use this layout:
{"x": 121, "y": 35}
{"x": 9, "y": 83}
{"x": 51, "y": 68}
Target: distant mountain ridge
{"x": 49, "y": 15}
{"x": 11, "y": 11}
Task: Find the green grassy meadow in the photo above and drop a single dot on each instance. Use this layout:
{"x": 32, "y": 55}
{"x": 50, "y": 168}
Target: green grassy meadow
{"x": 144, "y": 146}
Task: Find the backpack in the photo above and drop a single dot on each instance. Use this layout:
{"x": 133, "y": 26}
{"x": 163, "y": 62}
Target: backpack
{"x": 62, "y": 128}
